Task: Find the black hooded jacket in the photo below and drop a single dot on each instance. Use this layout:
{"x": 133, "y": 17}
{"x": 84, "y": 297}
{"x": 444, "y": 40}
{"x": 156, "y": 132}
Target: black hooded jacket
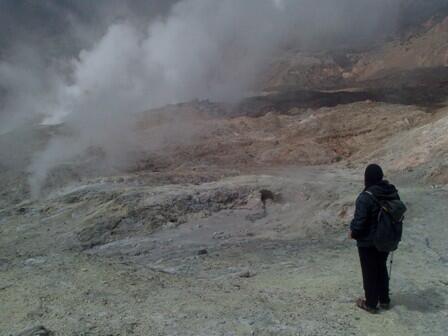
{"x": 364, "y": 223}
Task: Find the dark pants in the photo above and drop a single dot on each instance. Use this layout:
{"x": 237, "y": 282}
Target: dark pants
{"x": 374, "y": 275}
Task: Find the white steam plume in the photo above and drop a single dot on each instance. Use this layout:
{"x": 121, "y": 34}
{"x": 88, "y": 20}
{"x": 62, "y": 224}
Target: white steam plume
{"x": 202, "y": 49}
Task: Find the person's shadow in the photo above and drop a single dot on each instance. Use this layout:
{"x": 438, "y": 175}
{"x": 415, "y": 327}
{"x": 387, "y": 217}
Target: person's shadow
{"x": 424, "y": 301}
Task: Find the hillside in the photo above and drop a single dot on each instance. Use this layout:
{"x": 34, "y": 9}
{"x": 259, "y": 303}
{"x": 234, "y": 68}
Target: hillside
{"x": 425, "y": 48}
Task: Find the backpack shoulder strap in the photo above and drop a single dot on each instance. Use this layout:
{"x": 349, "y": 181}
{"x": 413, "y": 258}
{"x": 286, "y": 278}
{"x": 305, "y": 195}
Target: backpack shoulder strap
{"x": 377, "y": 201}
{"x": 372, "y": 196}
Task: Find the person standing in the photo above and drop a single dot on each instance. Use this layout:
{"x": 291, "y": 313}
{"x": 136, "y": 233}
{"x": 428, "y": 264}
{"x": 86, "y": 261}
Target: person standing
{"x": 362, "y": 229}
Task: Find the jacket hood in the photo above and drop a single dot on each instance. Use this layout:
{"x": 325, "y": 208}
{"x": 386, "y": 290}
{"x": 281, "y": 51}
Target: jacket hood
{"x": 384, "y": 190}
{"x": 373, "y": 175}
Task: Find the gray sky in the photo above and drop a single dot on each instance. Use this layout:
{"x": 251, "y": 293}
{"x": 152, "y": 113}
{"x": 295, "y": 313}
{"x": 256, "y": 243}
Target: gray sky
{"x": 55, "y": 24}
{"x": 63, "y": 27}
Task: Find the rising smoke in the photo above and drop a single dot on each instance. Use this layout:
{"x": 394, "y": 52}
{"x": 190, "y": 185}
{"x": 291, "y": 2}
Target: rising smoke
{"x": 197, "y": 49}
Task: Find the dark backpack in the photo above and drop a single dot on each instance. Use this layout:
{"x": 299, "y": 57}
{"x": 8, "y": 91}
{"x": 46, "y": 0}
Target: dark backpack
{"x": 390, "y": 224}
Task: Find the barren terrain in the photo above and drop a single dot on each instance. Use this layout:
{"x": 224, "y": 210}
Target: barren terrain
{"x": 179, "y": 243}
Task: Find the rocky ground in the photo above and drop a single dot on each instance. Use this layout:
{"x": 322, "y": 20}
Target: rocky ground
{"x": 219, "y": 265}
{"x": 180, "y": 244}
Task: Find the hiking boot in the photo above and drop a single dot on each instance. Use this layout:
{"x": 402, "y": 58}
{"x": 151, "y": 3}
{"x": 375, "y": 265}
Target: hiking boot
{"x": 361, "y": 303}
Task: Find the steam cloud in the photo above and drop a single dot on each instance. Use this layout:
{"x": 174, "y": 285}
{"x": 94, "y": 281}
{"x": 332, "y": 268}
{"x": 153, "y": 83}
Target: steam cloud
{"x": 200, "y": 49}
